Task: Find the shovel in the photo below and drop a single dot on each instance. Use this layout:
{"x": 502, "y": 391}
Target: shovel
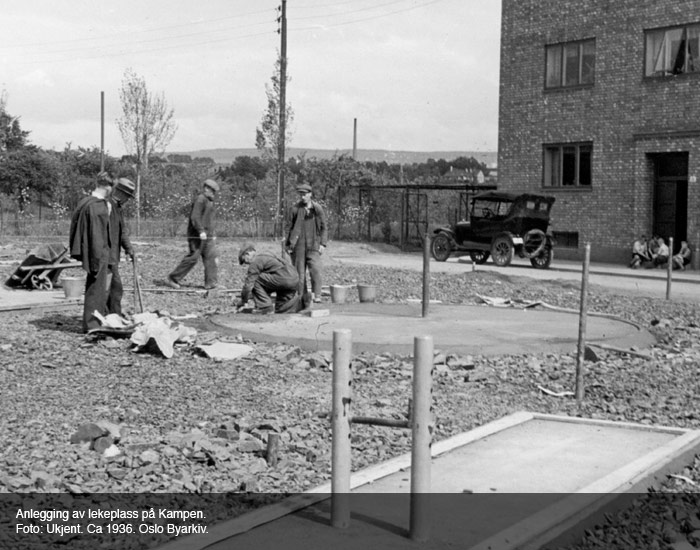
{"x": 138, "y": 300}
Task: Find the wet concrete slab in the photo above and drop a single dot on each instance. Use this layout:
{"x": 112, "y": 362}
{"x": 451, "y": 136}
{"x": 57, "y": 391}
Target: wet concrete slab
{"x": 519, "y": 482}
{"x": 466, "y": 329}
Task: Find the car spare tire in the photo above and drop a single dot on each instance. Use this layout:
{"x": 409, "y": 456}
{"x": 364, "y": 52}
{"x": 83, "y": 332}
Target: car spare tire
{"x": 534, "y": 242}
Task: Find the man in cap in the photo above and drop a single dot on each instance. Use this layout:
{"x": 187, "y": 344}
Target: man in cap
{"x": 90, "y": 243}
{"x": 122, "y": 191}
{"x": 201, "y": 239}
{"x": 269, "y": 273}
{"x": 306, "y": 239}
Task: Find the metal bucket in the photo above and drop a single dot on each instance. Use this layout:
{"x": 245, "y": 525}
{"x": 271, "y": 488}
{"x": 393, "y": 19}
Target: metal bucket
{"x": 73, "y": 287}
{"x": 339, "y": 293}
{"x": 367, "y": 293}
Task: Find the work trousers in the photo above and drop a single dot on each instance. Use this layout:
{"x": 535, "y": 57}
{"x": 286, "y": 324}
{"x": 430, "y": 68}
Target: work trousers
{"x": 284, "y": 288}
{"x": 305, "y": 258}
{"x": 198, "y": 248}
{"x": 116, "y": 292}
{"x": 97, "y": 285}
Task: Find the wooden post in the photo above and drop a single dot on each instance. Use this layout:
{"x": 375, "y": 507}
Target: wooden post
{"x": 422, "y": 435}
{"x": 669, "y": 269}
{"x": 341, "y": 416}
{"x": 273, "y": 447}
{"x": 426, "y": 274}
{"x": 582, "y": 326}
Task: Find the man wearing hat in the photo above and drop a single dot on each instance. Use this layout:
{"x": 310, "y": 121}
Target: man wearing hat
{"x": 306, "y": 239}
{"x": 269, "y": 273}
{"x": 200, "y": 239}
{"x": 122, "y": 191}
{"x": 90, "y": 243}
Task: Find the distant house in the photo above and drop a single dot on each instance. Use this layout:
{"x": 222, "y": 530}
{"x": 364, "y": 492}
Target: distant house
{"x": 600, "y": 107}
{"x": 461, "y": 175}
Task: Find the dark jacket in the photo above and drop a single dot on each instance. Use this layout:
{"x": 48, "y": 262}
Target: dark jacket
{"x": 296, "y": 225}
{"x": 119, "y": 234}
{"x": 285, "y": 274}
{"x": 201, "y": 217}
{"x": 89, "y": 237}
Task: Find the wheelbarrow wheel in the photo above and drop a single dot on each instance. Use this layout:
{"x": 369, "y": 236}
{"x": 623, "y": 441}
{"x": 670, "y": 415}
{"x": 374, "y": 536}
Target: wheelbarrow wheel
{"x": 41, "y": 282}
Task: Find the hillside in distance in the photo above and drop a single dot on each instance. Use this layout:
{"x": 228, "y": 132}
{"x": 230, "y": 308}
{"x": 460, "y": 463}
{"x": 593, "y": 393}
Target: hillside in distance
{"x": 226, "y": 156}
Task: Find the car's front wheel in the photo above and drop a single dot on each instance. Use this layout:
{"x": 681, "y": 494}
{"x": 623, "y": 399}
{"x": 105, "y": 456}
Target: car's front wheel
{"x": 544, "y": 259}
{"x": 502, "y": 251}
{"x": 441, "y": 247}
{"x": 479, "y": 256}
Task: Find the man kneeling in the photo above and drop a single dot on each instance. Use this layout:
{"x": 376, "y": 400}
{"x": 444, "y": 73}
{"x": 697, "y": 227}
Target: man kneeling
{"x": 268, "y": 274}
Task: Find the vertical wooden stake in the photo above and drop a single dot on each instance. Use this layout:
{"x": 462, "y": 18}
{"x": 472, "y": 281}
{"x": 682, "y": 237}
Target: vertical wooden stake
{"x": 422, "y": 436}
{"x": 669, "y": 270}
{"x": 582, "y": 326}
{"x": 273, "y": 447}
{"x": 341, "y": 417}
{"x": 426, "y": 274}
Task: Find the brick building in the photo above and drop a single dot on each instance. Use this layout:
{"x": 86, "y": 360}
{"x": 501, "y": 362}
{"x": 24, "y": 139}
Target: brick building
{"x": 600, "y": 107}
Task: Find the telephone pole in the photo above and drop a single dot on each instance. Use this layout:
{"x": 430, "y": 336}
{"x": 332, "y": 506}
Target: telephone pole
{"x": 283, "y": 118}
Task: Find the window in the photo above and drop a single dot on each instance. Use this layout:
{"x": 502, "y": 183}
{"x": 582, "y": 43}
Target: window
{"x": 672, "y": 51}
{"x": 568, "y": 165}
{"x": 570, "y": 64}
{"x": 566, "y": 239}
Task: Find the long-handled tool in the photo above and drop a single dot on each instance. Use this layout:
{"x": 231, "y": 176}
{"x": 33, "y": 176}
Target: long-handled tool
{"x": 138, "y": 299}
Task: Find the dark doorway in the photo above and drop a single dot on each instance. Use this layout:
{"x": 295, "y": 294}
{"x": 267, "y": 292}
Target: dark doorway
{"x": 671, "y": 197}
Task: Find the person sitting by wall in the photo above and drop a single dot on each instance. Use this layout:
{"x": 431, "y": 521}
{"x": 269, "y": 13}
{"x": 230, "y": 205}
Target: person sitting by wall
{"x": 661, "y": 255}
{"x": 640, "y": 252}
{"x": 683, "y": 256}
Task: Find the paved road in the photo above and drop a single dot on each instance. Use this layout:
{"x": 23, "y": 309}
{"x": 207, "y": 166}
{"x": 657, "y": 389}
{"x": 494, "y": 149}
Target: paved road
{"x": 685, "y": 285}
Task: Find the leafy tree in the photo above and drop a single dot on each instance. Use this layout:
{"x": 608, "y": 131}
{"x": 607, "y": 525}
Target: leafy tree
{"x": 11, "y": 135}
{"x": 269, "y": 138}
{"x": 146, "y": 126}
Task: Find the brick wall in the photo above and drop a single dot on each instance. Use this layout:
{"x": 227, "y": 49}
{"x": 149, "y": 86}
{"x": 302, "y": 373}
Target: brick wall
{"x": 624, "y": 115}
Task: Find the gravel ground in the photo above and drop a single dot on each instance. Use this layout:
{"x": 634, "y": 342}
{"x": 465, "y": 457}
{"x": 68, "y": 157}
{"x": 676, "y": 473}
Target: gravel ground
{"x": 191, "y": 425}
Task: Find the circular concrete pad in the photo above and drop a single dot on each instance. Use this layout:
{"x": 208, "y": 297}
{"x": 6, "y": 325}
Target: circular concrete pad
{"x": 476, "y": 330}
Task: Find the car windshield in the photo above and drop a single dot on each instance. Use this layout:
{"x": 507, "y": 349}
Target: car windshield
{"x": 482, "y": 208}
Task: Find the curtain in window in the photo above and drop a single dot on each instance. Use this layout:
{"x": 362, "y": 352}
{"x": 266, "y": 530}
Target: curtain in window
{"x": 663, "y": 49}
{"x": 553, "y": 66}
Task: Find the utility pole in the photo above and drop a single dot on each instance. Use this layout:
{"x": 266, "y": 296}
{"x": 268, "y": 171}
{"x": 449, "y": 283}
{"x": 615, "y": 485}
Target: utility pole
{"x": 102, "y": 131}
{"x": 354, "y": 139}
{"x": 283, "y": 118}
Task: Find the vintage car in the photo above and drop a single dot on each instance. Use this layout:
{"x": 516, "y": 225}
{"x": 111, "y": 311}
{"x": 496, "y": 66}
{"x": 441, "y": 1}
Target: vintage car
{"x": 500, "y": 225}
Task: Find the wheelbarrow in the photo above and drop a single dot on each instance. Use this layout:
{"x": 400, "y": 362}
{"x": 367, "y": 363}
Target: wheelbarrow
{"x": 40, "y": 270}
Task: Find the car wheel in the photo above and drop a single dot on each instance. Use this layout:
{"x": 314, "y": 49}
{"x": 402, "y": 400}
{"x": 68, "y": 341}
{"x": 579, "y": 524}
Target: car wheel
{"x": 502, "y": 251}
{"x": 534, "y": 242}
{"x": 441, "y": 247}
{"x": 544, "y": 259}
{"x": 479, "y": 256}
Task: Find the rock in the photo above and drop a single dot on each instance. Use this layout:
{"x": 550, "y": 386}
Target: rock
{"x": 231, "y": 435}
{"x": 149, "y": 457}
{"x": 590, "y": 355}
{"x": 250, "y": 485}
{"x": 111, "y": 451}
{"x": 87, "y": 433}
{"x": 242, "y": 424}
{"x": 102, "y": 443}
{"x": 113, "y": 429}
{"x": 456, "y": 362}
{"x": 251, "y": 445}
{"x": 317, "y": 361}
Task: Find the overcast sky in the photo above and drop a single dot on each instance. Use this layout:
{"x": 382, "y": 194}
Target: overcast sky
{"x": 419, "y": 75}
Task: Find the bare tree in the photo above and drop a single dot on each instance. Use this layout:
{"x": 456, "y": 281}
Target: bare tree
{"x": 146, "y": 126}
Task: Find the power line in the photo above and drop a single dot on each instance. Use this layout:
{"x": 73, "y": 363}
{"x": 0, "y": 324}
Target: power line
{"x": 121, "y": 36}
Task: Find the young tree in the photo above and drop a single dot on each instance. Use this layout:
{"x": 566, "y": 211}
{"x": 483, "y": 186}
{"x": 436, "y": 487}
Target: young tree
{"x": 269, "y": 137}
{"x": 11, "y": 135}
{"x": 146, "y": 126}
